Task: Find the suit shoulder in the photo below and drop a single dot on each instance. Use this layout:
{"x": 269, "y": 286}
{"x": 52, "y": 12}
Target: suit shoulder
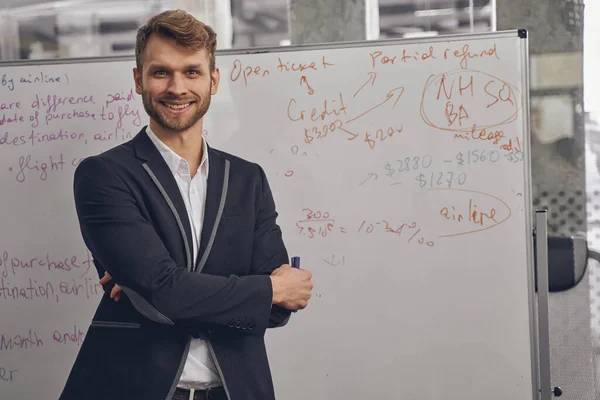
{"x": 237, "y": 162}
{"x": 115, "y": 154}
{"x": 113, "y": 159}
{"x": 118, "y": 152}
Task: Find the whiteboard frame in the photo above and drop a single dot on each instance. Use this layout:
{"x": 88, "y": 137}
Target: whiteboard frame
{"x": 536, "y": 351}
{"x": 541, "y": 235}
{"x": 294, "y": 48}
{"x": 540, "y": 369}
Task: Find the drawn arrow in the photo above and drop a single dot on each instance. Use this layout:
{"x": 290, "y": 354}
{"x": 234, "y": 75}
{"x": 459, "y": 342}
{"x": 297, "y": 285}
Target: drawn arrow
{"x": 391, "y": 94}
{"x": 354, "y": 135}
{"x": 305, "y": 81}
{"x": 333, "y": 262}
{"x": 372, "y": 76}
{"x": 371, "y": 175}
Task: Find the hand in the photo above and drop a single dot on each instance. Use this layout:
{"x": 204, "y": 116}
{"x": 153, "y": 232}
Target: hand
{"x": 291, "y": 287}
{"x": 115, "y": 293}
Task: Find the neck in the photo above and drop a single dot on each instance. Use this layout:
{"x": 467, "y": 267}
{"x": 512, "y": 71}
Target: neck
{"x": 188, "y": 144}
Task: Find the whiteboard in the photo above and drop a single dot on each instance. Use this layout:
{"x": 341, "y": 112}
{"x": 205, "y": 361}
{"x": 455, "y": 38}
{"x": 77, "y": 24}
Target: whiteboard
{"x": 400, "y": 170}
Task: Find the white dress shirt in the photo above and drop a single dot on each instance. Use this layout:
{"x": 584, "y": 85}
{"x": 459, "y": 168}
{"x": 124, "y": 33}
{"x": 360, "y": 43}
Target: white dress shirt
{"x": 199, "y": 371}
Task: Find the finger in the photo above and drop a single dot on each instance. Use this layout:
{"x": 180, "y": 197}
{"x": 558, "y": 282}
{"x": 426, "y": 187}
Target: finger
{"x": 115, "y": 292}
{"x": 105, "y": 279}
{"x": 281, "y": 269}
{"x": 118, "y": 296}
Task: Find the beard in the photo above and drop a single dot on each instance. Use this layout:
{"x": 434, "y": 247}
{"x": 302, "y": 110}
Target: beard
{"x": 176, "y": 123}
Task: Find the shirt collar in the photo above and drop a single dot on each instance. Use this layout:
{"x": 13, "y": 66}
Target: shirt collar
{"x": 176, "y": 163}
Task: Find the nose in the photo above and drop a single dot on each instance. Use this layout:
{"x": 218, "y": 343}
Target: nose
{"x": 177, "y": 85}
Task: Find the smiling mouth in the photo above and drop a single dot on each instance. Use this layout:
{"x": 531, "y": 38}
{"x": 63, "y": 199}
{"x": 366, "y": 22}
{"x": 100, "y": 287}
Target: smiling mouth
{"x": 177, "y": 107}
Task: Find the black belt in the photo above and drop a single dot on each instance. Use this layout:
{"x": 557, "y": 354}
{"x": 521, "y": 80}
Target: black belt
{"x": 200, "y": 394}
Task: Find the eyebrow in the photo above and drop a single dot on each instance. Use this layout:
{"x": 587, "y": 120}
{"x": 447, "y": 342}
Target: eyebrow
{"x": 187, "y": 67}
{"x": 194, "y": 66}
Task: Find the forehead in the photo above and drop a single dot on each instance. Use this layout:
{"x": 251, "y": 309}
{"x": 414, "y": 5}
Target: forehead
{"x": 168, "y": 53}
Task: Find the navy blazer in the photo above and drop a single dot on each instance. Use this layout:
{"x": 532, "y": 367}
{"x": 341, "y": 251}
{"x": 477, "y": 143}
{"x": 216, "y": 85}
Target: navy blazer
{"x": 135, "y": 224}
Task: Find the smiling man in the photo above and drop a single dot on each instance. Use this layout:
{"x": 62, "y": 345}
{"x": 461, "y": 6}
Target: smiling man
{"x": 185, "y": 239}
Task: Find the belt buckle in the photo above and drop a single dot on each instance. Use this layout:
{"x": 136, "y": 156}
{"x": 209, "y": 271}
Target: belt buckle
{"x": 207, "y": 395}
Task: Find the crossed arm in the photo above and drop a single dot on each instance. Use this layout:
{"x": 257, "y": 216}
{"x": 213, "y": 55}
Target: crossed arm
{"x": 132, "y": 253}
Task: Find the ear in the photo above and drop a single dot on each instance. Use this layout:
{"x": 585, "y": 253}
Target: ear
{"x": 215, "y": 78}
{"x": 137, "y": 78}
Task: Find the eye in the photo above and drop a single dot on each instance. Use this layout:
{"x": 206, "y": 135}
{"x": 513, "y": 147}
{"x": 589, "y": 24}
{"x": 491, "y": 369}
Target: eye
{"x": 159, "y": 72}
{"x": 193, "y": 72}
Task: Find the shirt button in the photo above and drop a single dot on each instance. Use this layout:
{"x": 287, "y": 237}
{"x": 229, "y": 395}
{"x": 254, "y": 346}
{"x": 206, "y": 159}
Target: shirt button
{"x": 193, "y": 191}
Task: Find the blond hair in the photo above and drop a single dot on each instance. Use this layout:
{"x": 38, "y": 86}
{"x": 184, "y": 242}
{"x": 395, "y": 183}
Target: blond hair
{"x": 181, "y": 26}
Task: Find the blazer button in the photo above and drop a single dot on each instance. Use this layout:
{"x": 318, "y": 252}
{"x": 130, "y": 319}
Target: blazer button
{"x": 244, "y": 326}
{"x": 238, "y": 325}
{"x": 251, "y": 326}
{"x": 231, "y": 324}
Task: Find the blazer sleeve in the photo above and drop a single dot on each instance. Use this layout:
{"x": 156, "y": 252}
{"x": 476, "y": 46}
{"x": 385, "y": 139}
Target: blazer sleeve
{"x": 269, "y": 251}
{"x": 128, "y": 247}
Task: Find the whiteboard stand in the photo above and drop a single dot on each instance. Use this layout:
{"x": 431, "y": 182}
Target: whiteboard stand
{"x": 541, "y": 234}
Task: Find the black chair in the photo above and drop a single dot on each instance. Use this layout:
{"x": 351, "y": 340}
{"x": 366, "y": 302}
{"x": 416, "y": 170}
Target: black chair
{"x": 567, "y": 261}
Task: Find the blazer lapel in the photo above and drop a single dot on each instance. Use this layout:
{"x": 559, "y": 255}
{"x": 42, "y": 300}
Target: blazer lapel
{"x": 216, "y": 193}
{"x": 156, "y": 165}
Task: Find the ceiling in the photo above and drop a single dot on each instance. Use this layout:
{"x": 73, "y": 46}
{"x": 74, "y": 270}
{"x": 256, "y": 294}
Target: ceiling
{"x": 259, "y": 22}
{"x": 255, "y": 22}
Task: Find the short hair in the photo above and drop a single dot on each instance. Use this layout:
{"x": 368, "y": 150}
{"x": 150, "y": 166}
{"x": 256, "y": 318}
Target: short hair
{"x": 181, "y": 26}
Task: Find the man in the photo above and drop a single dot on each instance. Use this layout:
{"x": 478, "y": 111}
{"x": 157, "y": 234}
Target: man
{"x": 189, "y": 235}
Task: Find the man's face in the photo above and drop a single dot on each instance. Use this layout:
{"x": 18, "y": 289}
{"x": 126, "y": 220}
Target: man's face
{"x": 175, "y": 83}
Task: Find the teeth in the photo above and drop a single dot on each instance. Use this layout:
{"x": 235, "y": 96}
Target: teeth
{"x": 177, "y": 106}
